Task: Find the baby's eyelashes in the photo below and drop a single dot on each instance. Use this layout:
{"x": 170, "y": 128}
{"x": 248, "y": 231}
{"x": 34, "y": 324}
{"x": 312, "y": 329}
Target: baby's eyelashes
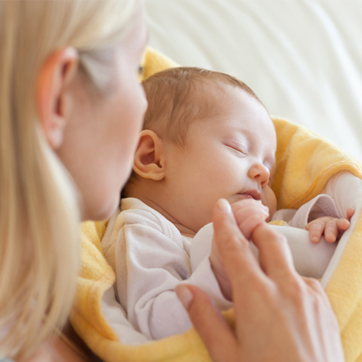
{"x": 238, "y": 150}
{"x": 239, "y": 146}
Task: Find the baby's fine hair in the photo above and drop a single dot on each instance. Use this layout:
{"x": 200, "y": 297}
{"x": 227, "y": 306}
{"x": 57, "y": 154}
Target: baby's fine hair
{"x": 173, "y": 101}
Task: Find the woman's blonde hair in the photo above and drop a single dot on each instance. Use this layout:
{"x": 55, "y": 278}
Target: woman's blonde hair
{"x": 39, "y": 211}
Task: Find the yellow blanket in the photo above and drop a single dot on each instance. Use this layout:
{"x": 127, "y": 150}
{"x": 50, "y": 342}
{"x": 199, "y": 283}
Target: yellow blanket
{"x": 305, "y": 162}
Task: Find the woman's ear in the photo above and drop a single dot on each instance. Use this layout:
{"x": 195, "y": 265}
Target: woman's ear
{"x": 57, "y": 72}
{"x": 149, "y": 158}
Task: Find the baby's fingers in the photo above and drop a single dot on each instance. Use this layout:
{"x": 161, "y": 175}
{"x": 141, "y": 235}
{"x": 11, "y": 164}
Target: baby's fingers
{"x": 249, "y": 209}
{"x": 248, "y": 225}
{"x": 350, "y": 213}
{"x": 343, "y": 224}
{"x": 316, "y": 229}
{"x": 331, "y": 230}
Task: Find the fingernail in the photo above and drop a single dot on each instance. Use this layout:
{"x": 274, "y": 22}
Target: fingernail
{"x": 315, "y": 239}
{"x": 185, "y": 295}
{"x": 224, "y": 205}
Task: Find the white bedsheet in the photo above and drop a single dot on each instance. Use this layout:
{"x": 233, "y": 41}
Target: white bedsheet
{"x": 302, "y": 57}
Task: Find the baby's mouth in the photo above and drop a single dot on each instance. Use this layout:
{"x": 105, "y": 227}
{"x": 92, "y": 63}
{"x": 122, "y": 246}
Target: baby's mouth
{"x": 250, "y": 194}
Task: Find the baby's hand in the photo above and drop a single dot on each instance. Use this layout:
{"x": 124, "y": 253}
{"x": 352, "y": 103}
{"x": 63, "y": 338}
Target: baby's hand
{"x": 331, "y": 227}
{"x": 249, "y": 213}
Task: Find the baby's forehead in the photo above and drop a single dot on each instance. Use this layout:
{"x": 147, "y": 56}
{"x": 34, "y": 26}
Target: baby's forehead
{"x": 179, "y": 97}
{"x": 225, "y": 98}
{"x": 238, "y": 112}
{"x": 219, "y": 92}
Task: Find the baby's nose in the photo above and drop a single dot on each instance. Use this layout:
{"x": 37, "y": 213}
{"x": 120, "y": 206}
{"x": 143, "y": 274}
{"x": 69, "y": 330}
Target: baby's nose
{"x": 259, "y": 173}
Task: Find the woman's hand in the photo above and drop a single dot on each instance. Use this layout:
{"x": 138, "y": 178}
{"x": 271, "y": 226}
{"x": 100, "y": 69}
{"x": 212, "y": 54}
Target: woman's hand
{"x": 248, "y": 214}
{"x": 279, "y": 316}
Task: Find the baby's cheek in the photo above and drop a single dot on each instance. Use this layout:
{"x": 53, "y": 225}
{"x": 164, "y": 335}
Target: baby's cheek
{"x": 269, "y": 199}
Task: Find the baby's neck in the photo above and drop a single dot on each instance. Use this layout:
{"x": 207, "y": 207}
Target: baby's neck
{"x": 158, "y": 206}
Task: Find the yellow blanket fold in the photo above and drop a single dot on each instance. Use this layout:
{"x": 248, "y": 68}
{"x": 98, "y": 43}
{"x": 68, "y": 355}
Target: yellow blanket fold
{"x": 305, "y": 163}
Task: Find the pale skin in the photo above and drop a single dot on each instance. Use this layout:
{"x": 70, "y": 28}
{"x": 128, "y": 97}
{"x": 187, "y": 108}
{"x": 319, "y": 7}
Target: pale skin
{"x": 332, "y": 228}
{"x": 249, "y": 214}
{"x": 239, "y": 141}
{"x": 91, "y": 135}
{"x": 282, "y": 317}
{"x": 62, "y": 101}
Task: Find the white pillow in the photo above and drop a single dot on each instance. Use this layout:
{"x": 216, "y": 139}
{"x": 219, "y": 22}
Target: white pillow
{"x": 303, "y": 58}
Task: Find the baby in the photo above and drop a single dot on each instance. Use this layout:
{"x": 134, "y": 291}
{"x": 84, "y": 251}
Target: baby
{"x": 206, "y": 136}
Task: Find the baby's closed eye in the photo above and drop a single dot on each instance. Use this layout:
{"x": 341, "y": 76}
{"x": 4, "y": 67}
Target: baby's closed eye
{"x": 239, "y": 150}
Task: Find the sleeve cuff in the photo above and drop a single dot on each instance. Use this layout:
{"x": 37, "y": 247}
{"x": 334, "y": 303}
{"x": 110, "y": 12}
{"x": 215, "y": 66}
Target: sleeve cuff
{"x": 321, "y": 205}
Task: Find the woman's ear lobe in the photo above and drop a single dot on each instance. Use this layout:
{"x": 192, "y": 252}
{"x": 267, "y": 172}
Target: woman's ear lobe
{"x": 57, "y": 72}
{"x": 149, "y": 158}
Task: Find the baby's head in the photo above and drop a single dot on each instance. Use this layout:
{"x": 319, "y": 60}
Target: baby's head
{"x": 206, "y": 135}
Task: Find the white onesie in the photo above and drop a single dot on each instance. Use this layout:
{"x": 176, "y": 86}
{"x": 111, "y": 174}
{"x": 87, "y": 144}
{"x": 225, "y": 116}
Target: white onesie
{"x": 151, "y": 257}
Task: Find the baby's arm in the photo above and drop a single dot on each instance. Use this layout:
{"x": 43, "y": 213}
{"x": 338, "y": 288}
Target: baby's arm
{"x": 332, "y": 228}
{"x": 150, "y": 262}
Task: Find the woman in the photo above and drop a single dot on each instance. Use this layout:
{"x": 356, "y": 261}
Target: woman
{"x": 71, "y": 109}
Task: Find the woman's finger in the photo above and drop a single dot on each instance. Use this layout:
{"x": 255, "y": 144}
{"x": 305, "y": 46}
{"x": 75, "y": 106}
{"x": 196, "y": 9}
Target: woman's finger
{"x": 240, "y": 264}
{"x": 248, "y": 225}
{"x": 209, "y": 323}
{"x": 275, "y": 318}
{"x": 318, "y": 288}
{"x": 275, "y": 256}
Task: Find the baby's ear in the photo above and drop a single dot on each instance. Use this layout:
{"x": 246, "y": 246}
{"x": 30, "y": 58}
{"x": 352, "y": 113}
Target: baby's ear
{"x": 149, "y": 158}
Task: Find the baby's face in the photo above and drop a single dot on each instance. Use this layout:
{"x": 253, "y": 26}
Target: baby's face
{"x": 230, "y": 155}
